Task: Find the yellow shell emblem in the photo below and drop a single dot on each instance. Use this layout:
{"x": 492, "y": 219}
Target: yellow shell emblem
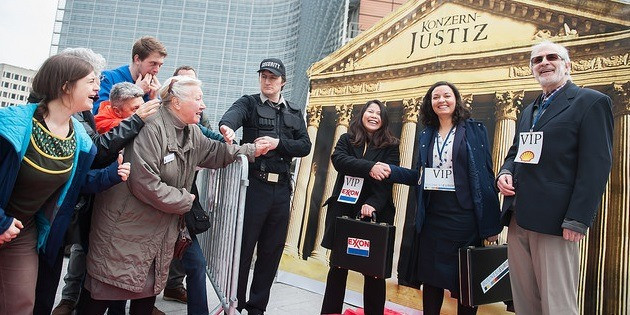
{"x": 527, "y": 156}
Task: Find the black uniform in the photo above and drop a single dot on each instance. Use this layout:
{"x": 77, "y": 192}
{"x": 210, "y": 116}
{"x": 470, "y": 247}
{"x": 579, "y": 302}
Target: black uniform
{"x": 269, "y": 193}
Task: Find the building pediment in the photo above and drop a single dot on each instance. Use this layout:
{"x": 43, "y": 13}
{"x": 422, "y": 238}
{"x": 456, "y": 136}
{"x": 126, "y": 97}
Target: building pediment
{"x": 427, "y": 32}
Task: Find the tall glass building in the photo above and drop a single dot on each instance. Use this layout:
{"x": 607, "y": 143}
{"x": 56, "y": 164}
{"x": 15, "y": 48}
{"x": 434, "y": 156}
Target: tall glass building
{"x": 223, "y": 40}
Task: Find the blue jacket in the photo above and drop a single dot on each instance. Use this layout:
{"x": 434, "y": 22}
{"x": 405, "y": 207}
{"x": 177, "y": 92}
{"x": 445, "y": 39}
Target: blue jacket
{"x": 474, "y": 178}
{"x": 54, "y": 216}
{"x": 108, "y": 79}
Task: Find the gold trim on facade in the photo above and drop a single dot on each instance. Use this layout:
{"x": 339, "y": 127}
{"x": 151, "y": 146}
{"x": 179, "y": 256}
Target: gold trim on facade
{"x": 392, "y": 62}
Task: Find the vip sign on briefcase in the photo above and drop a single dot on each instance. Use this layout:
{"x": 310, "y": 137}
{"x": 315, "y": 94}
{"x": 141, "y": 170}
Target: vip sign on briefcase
{"x": 365, "y": 247}
{"x": 484, "y": 275}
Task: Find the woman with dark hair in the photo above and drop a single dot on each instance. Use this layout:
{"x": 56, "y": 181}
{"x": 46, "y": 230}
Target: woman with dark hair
{"x": 458, "y": 205}
{"x": 45, "y": 158}
{"x": 355, "y": 156}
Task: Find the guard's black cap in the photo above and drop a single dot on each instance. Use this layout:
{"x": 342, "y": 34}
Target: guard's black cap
{"x": 274, "y": 65}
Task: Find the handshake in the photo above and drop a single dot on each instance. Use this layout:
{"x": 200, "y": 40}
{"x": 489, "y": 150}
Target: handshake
{"x": 380, "y": 171}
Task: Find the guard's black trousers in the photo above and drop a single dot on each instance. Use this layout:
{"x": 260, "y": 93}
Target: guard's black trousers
{"x": 266, "y": 222}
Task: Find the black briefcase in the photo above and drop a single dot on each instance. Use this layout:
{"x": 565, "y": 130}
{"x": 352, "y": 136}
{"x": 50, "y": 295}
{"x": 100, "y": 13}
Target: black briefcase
{"x": 484, "y": 275}
{"x": 365, "y": 247}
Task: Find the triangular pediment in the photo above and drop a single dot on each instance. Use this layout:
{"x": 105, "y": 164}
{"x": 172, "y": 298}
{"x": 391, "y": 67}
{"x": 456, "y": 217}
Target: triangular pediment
{"x": 424, "y": 31}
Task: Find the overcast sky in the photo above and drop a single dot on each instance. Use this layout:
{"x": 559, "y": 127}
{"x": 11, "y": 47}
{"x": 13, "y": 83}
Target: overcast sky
{"x": 26, "y": 31}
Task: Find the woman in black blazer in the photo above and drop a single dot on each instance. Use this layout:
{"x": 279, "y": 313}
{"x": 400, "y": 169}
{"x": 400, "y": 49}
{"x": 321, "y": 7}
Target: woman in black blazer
{"x": 450, "y": 214}
{"x": 367, "y": 142}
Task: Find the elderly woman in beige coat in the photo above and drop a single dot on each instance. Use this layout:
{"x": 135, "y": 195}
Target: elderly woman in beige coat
{"x": 135, "y": 224}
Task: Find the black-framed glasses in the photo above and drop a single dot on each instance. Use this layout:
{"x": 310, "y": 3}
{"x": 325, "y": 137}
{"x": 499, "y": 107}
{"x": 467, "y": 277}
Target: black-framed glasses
{"x": 550, "y": 57}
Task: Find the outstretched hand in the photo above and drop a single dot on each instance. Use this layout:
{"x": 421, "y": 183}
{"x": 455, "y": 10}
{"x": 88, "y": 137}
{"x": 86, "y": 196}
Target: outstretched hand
{"x": 261, "y": 148}
{"x": 123, "y": 168}
{"x": 380, "y": 171}
{"x": 227, "y": 133}
{"x": 147, "y": 109}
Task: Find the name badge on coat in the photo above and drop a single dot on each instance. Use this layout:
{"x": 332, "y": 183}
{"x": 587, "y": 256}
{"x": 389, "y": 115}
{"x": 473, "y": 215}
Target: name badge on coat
{"x": 439, "y": 179}
{"x": 529, "y": 147}
{"x": 169, "y": 158}
{"x": 351, "y": 189}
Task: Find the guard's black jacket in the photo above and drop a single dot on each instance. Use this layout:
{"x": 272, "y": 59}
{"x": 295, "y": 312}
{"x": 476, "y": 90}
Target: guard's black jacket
{"x": 285, "y": 123}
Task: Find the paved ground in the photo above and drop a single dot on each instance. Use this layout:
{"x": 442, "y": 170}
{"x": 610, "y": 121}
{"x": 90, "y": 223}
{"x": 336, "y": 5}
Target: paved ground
{"x": 285, "y": 299}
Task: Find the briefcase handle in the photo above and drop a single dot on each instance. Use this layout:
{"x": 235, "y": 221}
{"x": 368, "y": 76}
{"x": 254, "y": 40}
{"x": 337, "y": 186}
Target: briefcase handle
{"x": 358, "y": 217}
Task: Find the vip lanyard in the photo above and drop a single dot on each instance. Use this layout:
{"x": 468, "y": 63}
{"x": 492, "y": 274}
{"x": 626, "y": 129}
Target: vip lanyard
{"x": 542, "y": 109}
{"x": 444, "y": 143}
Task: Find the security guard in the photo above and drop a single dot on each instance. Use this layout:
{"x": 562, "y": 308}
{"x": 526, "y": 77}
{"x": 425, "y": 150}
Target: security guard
{"x": 270, "y": 120}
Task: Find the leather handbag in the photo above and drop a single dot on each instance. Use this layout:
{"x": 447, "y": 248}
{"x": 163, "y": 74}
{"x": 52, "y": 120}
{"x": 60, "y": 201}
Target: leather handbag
{"x": 484, "y": 275}
{"x": 183, "y": 240}
{"x": 197, "y": 220}
{"x": 365, "y": 247}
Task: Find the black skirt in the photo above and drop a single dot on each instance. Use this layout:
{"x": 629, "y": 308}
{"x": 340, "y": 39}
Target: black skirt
{"x": 447, "y": 227}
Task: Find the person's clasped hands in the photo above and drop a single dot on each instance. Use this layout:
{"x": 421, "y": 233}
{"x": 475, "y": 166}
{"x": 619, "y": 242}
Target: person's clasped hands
{"x": 12, "y": 232}
{"x": 266, "y": 144}
{"x": 149, "y": 84}
{"x": 380, "y": 171}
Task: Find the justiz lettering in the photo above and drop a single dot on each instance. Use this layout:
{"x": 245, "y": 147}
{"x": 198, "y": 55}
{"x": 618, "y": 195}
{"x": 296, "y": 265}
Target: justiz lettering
{"x": 449, "y": 36}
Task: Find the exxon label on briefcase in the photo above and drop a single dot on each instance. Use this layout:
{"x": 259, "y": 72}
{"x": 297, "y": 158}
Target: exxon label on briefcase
{"x": 358, "y": 247}
{"x": 364, "y": 247}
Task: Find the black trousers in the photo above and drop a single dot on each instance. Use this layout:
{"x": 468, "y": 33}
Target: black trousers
{"x": 89, "y": 306}
{"x": 373, "y": 293}
{"x": 266, "y": 222}
{"x": 432, "y": 298}
{"x": 47, "y": 282}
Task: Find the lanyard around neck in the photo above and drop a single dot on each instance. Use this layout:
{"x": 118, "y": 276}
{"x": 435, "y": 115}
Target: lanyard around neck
{"x": 542, "y": 109}
{"x": 437, "y": 142}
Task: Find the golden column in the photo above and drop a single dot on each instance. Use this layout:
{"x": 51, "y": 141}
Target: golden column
{"x": 506, "y": 108}
{"x": 593, "y": 246}
{"x": 344, "y": 113}
{"x": 411, "y": 109}
{"x": 299, "y": 197}
{"x": 617, "y": 264}
{"x": 307, "y": 208}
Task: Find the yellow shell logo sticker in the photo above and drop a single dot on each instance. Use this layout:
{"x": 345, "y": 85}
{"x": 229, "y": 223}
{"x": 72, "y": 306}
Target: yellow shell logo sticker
{"x": 527, "y": 156}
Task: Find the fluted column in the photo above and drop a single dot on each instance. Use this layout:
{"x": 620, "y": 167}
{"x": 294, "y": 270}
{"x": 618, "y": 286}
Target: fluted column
{"x": 591, "y": 282}
{"x": 506, "y": 108}
{"x": 307, "y": 209}
{"x": 617, "y": 264}
{"x": 411, "y": 109}
{"x": 344, "y": 113}
{"x": 299, "y": 195}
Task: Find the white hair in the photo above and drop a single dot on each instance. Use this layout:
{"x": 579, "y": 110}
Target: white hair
{"x": 96, "y": 60}
{"x": 559, "y": 49}
{"x": 177, "y": 86}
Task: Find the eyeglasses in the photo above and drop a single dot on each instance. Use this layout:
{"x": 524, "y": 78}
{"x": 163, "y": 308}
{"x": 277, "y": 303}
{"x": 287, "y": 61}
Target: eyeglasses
{"x": 550, "y": 57}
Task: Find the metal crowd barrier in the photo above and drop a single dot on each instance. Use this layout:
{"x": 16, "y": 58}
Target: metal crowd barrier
{"x": 222, "y": 194}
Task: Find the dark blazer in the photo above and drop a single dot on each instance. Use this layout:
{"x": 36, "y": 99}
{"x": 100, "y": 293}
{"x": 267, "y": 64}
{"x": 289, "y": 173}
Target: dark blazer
{"x": 349, "y": 160}
{"x": 472, "y": 168}
{"x": 570, "y": 177}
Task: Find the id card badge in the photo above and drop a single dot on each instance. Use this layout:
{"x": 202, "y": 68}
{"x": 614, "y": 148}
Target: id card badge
{"x": 169, "y": 158}
{"x": 439, "y": 179}
{"x": 529, "y": 147}
{"x": 351, "y": 189}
